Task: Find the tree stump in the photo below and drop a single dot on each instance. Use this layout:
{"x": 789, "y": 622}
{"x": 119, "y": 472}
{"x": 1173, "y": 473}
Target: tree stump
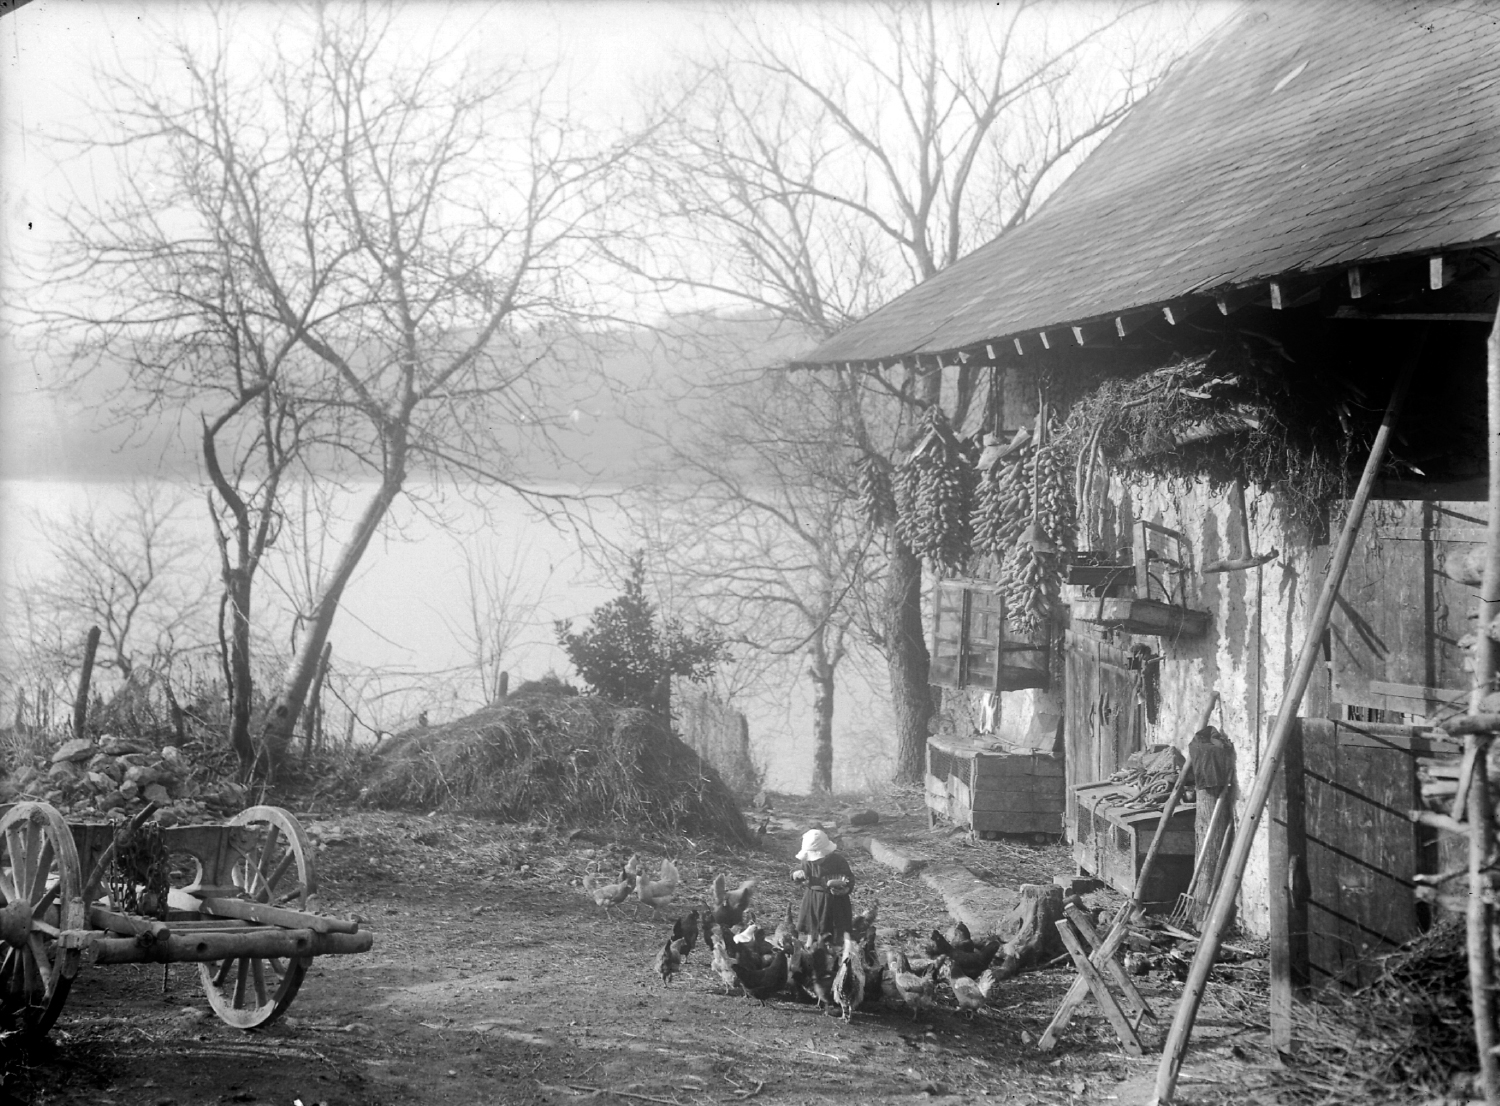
{"x": 1032, "y": 925}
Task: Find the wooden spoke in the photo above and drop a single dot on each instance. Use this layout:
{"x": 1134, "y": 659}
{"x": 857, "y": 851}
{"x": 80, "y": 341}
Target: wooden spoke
{"x": 257, "y": 990}
{"x": 40, "y": 873}
{"x": 39, "y": 865}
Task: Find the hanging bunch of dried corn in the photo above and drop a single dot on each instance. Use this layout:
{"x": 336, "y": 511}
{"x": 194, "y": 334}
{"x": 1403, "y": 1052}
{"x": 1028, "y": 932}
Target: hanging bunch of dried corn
{"x": 1002, "y": 504}
{"x": 932, "y": 491}
{"x": 876, "y": 498}
{"x": 1033, "y": 581}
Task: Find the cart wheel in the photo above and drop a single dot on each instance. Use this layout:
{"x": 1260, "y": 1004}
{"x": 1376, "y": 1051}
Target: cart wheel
{"x": 41, "y": 893}
{"x": 251, "y": 991}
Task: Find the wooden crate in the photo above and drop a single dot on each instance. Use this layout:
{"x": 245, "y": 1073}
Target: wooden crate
{"x": 1110, "y": 842}
{"x": 994, "y": 791}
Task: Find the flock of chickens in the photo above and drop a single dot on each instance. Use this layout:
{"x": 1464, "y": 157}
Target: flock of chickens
{"x": 808, "y": 967}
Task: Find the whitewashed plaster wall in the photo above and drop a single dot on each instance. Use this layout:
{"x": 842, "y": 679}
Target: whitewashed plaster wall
{"x": 1257, "y": 626}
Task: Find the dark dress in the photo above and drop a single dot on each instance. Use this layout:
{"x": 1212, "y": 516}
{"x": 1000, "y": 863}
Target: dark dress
{"x": 823, "y": 912}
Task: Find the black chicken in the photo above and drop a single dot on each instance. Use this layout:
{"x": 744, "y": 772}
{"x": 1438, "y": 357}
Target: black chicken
{"x": 970, "y": 961}
{"x": 685, "y": 929}
{"x": 763, "y": 983}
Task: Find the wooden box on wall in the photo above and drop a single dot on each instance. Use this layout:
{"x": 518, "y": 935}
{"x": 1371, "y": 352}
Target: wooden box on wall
{"x": 993, "y": 791}
{"x": 1111, "y": 840}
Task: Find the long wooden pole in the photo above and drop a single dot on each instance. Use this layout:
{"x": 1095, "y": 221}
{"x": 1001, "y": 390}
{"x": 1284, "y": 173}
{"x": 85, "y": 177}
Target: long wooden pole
{"x": 81, "y": 700}
{"x": 1480, "y": 914}
{"x": 1213, "y": 930}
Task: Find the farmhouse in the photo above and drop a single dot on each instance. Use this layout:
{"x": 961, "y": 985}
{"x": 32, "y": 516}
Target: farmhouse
{"x": 1159, "y": 392}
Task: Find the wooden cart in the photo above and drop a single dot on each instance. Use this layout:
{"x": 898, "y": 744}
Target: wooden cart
{"x": 242, "y": 917}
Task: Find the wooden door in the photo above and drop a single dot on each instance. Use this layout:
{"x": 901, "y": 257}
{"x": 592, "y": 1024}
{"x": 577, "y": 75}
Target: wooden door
{"x": 1403, "y": 606}
{"x": 1102, "y": 713}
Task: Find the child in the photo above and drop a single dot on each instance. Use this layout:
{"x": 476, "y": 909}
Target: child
{"x": 826, "y": 876}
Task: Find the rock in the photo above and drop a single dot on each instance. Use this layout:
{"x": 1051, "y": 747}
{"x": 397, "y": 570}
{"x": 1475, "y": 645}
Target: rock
{"x": 78, "y": 749}
{"x": 141, "y": 775}
{"x": 172, "y": 755}
{"x": 129, "y": 760}
{"x": 129, "y": 790}
{"x": 156, "y": 793}
{"x": 166, "y": 816}
{"x": 100, "y": 782}
{"x": 64, "y": 771}
{"x": 865, "y": 818}
{"x": 122, "y": 746}
{"x": 111, "y": 801}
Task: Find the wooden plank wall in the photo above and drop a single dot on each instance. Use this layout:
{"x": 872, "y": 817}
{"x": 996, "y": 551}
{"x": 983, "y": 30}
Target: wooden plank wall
{"x": 1342, "y": 819}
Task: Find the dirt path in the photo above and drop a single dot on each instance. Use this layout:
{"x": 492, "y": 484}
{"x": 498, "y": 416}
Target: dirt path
{"x": 495, "y": 979}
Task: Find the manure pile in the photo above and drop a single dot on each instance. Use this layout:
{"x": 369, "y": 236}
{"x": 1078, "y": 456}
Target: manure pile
{"x": 560, "y": 759}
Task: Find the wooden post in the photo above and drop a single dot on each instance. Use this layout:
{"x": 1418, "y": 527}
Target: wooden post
{"x": 81, "y": 703}
{"x": 312, "y": 713}
{"x": 1286, "y": 717}
{"x": 1289, "y": 887}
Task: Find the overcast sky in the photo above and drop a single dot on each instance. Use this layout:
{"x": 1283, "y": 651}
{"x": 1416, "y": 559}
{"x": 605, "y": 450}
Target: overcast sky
{"x": 607, "y": 52}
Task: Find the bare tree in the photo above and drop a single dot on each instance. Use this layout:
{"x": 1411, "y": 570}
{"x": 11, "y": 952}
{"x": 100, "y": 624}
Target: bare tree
{"x": 754, "y": 519}
{"x": 821, "y": 175}
{"x": 134, "y": 572}
{"x": 366, "y": 244}
{"x": 499, "y": 608}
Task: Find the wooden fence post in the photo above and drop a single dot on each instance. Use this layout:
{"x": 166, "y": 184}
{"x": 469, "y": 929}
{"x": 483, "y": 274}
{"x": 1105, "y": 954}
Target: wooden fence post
{"x": 81, "y": 703}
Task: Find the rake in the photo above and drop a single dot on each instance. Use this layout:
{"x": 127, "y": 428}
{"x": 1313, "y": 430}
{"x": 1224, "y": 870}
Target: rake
{"x": 1192, "y": 903}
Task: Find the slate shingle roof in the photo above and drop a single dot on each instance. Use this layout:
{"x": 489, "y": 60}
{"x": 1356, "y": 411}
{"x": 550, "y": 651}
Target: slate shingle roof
{"x": 1383, "y": 139}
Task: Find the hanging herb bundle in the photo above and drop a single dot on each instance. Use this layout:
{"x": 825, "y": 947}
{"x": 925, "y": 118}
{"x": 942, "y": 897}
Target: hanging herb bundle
{"x": 932, "y": 491}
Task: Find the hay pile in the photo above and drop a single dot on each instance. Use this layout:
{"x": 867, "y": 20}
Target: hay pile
{"x": 1407, "y": 1037}
{"x": 574, "y": 760}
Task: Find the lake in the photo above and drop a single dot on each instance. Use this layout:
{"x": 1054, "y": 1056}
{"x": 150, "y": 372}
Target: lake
{"x": 403, "y": 641}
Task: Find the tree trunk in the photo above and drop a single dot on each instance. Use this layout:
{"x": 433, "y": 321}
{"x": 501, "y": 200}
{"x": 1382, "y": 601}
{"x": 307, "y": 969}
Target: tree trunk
{"x": 907, "y": 660}
{"x": 822, "y": 678}
{"x": 276, "y": 735}
{"x": 312, "y": 721}
{"x": 241, "y": 687}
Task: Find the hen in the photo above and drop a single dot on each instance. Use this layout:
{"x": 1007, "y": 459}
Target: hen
{"x": 849, "y": 981}
{"x": 864, "y": 921}
{"x": 729, "y": 906}
{"x": 764, "y": 982}
{"x": 786, "y": 929}
{"x": 658, "y": 893}
{"x": 608, "y": 894}
{"x": 917, "y": 991}
{"x": 968, "y": 993}
{"x": 723, "y": 963}
{"x": 968, "y": 959}
{"x": 669, "y": 960}
{"x": 685, "y": 929}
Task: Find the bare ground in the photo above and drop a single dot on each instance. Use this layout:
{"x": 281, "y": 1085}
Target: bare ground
{"x": 495, "y": 979}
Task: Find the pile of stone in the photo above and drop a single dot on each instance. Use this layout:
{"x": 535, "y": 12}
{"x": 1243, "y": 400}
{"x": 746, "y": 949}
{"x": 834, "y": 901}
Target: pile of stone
{"x": 124, "y": 774}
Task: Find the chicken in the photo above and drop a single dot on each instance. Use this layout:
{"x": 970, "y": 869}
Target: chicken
{"x": 960, "y": 937}
{"x": 968, "y": 993}
{"x": 864, "y": 921}
{"x": 729, "y": 906}
{"x": 722, "y": 963}
{"x": 608, "y": 894}
{"x": 763, "y": 983}
{"x": 968, "y": 958}
{"x": 989, "y": 984}
{"x": 917, "y": 991}
{"x": 849, "y": 980}
{"x": 786, "y": 929}
{"x": 754, "y": 942}
{"x": 669, "y": 960}
{"x": 658, "y": 893}
{"x": 685, "y": 929}
{"x": 811, "y": 968}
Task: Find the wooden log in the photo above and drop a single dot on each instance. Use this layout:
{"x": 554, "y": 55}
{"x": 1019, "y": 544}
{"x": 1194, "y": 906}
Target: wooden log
{"x": 1310, "y": 656}
{"x": 146, "y": 930}
{"x": 278, "y": 916}
{"x": 187, "y": 948}
{"x": 81, "y": 700}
